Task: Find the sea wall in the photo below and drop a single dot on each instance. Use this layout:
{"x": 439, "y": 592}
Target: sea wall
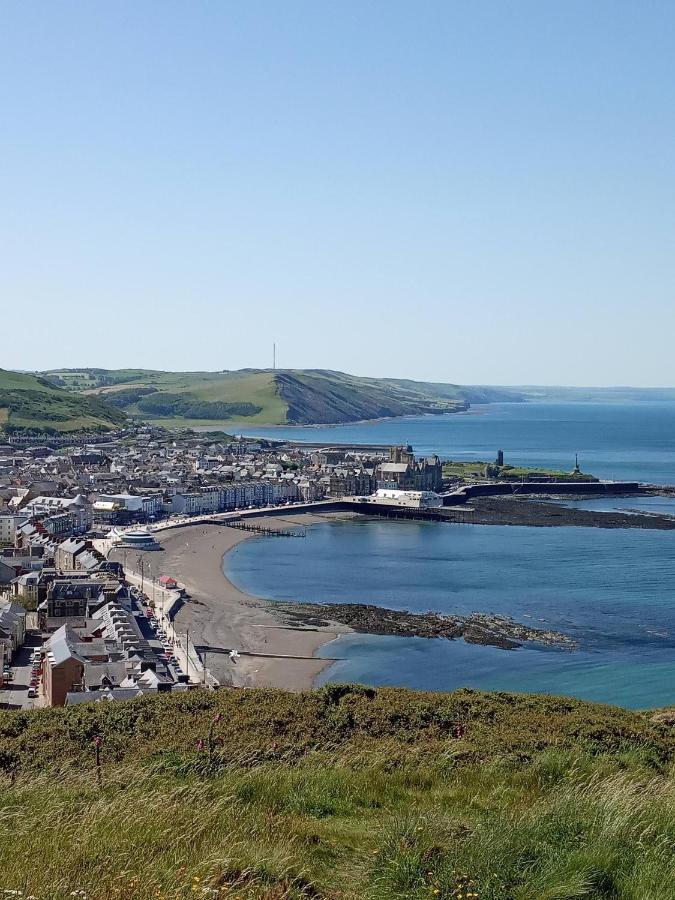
{"x": 585, "y": 488}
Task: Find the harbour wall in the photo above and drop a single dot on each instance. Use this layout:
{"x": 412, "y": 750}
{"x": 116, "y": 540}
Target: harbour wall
{"x": 575, "y": 488}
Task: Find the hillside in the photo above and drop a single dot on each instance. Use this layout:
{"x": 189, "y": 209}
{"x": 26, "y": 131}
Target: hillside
{"x": 30, "y": 402}
{"x": 264, "y": 396}
{"x": 344, "y": 793}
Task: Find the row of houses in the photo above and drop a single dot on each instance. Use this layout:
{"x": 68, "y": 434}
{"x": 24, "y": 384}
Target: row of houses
{"x": 103, "y": 656}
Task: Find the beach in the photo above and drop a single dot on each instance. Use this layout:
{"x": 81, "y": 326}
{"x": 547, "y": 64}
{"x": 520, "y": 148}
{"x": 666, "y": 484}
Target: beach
{"x": 219, "y": 617}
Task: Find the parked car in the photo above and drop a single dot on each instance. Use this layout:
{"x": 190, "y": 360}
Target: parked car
{"x": 32, "y": 693}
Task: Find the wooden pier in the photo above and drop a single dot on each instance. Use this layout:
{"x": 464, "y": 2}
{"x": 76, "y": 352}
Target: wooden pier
{"x": 266, "y": 530}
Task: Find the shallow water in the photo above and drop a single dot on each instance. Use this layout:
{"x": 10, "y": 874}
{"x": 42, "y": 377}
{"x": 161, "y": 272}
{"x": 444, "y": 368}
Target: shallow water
{"x": 612, "y": 590}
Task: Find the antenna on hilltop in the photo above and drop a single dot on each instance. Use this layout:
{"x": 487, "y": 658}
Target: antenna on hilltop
{"x": 274, "y": 357}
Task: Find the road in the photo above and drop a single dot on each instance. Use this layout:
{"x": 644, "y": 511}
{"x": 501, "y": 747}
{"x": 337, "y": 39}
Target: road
{"x": 15, "y": 694}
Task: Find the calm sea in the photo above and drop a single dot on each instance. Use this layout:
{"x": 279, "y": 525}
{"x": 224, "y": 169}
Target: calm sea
{"x": 614, "y": 440}
{"x": 613, "y": 590}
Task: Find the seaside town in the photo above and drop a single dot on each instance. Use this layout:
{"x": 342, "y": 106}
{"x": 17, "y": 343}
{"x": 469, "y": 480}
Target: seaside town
{"x": 76, "y": 623}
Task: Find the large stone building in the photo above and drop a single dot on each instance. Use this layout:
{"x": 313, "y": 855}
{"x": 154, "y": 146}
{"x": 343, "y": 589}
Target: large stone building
{"x": 404, "y": 473}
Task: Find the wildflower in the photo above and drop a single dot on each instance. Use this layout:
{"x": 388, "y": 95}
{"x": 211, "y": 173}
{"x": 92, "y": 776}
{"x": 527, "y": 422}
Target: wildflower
{"x": 217, "y": 718}
{"x": 200, "y": 744}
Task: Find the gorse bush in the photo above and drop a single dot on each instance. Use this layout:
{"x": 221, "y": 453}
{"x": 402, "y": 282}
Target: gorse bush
{"x": 343, "y": 794}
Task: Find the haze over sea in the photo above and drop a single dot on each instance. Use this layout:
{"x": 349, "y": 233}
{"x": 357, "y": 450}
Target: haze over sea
{"x": 612, "y": 590}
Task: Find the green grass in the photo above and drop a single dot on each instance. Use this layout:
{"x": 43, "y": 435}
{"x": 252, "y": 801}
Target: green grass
{"x": 510, "y": 473}
{"x": 287, "y": 396}
{"x": 476, "y": 469}
{"x": 472, "y": 469}
{"x": 31, "y": 402}
{"x": 343, "y": 794}
{"x": 253, "y": 387}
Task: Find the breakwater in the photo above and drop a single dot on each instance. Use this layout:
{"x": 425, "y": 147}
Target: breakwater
{"x": 552, "y": 488}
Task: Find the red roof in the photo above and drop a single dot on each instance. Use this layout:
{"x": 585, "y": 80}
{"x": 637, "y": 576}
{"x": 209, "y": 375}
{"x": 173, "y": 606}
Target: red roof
{"x": 167, "y": 579}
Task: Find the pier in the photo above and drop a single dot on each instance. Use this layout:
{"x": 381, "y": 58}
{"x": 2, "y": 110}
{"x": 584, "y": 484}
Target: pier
{"x": 265, "y": 529}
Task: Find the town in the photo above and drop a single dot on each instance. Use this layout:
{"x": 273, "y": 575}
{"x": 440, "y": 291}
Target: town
{"x": 77, "y": 624}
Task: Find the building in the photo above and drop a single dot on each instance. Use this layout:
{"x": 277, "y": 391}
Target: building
{"x": 12, "y": 627}
{"x": 77, "y": 508}
{"x": 8, "y": 525}
{"x": 407, "y": 499}
{"x": 67, "y": 553}
{"x": 136, "y": 538}
{"x": 402, "y": 472}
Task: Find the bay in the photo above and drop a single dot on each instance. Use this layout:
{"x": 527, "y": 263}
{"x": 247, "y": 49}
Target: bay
{"x": 612, "y": 590}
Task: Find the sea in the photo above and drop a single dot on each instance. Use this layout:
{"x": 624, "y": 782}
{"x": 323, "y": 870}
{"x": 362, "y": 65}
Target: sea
{"x": 613, "y": 591}
{"x": 621, "y": 441}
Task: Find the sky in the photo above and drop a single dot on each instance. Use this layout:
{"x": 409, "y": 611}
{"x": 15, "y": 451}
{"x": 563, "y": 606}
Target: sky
{"x": 473, "y": 192}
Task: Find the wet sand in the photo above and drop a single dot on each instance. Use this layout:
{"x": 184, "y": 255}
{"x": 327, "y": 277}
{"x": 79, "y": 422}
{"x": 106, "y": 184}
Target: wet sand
{"x": 220, "y": 617}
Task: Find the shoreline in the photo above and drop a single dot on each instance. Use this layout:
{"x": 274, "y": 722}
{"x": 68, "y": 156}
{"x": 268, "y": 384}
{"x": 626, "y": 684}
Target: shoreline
{"x": 277, "y": 641}
{"x": 274, "y": 651}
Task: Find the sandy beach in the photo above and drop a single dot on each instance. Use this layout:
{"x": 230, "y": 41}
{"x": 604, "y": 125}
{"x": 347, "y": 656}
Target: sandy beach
{"x": 220, "y": 617}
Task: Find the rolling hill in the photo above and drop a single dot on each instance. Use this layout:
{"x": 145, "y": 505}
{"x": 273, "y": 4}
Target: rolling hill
{"x": 29, "y": 402}
{"x": 265, "y": 396}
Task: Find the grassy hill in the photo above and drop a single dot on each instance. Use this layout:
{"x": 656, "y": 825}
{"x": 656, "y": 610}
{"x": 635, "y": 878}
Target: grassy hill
{"x": 264, "y": 396}
{"x": 345, "y": 793}
{"x": 31, "y": 402}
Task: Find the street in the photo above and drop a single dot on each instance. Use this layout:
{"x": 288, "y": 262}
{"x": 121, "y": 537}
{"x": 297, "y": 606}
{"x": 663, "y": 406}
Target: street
{"x": 14, "y": 695}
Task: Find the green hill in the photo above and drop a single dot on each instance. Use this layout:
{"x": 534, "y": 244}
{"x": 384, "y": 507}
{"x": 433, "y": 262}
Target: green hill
{"x": 28, "y": 402}
{"x": 345, "y": 793}
{"x": 264, "y": 396}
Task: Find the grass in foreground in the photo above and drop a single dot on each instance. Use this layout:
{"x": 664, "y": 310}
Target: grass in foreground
{"x": 340, "y": 793}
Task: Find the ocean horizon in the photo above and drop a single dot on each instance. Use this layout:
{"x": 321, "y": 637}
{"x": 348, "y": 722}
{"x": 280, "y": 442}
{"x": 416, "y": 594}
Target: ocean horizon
{"x": 611, "y": 590}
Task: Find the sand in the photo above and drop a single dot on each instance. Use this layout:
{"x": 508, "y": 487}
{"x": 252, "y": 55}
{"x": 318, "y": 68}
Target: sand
{"x": 220, "y": 617}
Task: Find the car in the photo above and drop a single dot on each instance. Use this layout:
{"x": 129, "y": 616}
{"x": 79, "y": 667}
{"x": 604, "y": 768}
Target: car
{"x": 32, "y": 693}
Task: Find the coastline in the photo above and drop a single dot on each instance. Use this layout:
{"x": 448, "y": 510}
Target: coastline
{"x": 219, "y": 617}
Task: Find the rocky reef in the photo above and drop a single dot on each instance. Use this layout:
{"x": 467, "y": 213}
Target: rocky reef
{"x": 477, "y": 628}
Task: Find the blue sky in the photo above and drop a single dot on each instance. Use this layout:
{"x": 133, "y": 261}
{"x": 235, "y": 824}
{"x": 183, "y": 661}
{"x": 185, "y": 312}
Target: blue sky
{"x": 469, "y": 192}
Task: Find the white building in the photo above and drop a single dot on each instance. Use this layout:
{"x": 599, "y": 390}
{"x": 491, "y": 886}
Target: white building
{"x": 9, "y": 522}
{"x": 407, "y": 499}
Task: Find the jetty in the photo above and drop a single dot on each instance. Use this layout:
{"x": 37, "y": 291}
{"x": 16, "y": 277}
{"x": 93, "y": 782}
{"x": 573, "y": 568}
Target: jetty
{"x": 265, "y": 529}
